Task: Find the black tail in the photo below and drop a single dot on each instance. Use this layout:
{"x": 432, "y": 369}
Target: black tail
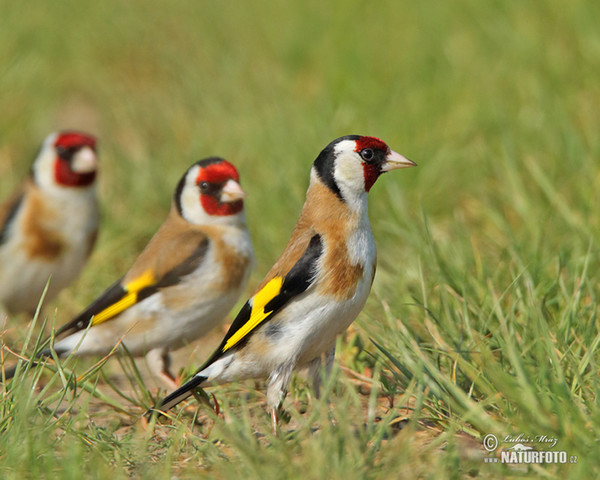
{"x": 181, "y": 393}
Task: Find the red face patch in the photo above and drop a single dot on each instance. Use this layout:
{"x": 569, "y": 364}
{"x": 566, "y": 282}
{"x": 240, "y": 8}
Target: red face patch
{"x": 74, "y": 140}
{"x": 371, "y": 173}
{"x": 370, "y": 142}
{"x": 212, "y": 206}
{"x": 67, "y": 177}
{"x": 219, "y": 174}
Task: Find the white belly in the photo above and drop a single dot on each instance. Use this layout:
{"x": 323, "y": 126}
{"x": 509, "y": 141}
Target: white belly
{"x": 305, "y": 329}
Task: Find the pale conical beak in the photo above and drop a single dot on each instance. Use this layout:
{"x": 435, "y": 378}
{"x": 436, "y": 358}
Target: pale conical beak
{"x": 84, "y": 161}
{"x": 394, "y": 160}
{"x": 231, "y": 192}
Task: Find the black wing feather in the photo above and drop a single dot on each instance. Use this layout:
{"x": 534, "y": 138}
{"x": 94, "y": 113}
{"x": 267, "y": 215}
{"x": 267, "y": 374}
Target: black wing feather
{"x": 116, "y": 292}
{"x": 12, "y": 212}
{"x": 111, "y": 295}
{"x": 298, "y": 279}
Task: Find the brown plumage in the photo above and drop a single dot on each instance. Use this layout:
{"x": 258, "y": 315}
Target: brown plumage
{"x": 333, "y": 224}
{"x": 182, "y": 238}
{"x": 43, "y": 240}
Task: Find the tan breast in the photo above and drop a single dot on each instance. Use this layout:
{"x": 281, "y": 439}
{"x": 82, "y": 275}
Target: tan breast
{"x": 324, "y": 214}
{"x": 41, "y": 242}
{"x": 233, "y": 264}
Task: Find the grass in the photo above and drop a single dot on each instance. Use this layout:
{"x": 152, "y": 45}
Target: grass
{"x": 483, "y": 315}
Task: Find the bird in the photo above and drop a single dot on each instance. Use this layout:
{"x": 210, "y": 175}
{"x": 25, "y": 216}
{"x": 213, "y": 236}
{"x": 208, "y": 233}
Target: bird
{"x": 316, "y": 288}
{"x": 49, "y": 225}
{"x": 184, "y": 282}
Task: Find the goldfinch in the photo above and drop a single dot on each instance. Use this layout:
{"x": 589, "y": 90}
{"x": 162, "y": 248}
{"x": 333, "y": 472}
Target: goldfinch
{"x": 319, "y": 284}
{"x": 48, "y": 227}
{"x": 184, "y": 282}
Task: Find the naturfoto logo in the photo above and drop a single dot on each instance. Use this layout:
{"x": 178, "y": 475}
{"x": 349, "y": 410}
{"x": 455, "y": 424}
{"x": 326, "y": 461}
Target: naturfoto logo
{"x": 516, "y": 449}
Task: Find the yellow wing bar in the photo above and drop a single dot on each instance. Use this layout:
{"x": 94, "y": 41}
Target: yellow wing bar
{"x": 116, "y": 308}
{"x": 146, "y": 279}
{"x": 258, "y": 314}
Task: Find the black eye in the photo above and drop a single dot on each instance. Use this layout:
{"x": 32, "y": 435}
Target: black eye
{"x": 63, "y": 152}
{"x": 203, "y": 187}
{"x": 367, "y": 154}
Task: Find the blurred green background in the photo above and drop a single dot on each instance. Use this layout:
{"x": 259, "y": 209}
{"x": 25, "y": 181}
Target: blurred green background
{"x": 486, "y": 295}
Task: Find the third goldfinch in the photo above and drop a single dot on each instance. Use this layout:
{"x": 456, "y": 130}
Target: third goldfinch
{"x": 49, "y": 226}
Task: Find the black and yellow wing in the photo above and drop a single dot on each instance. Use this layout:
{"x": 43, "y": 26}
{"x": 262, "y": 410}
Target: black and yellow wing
{"x": 261, "y": 308}
{"x": 270, "y": 299}
{"x": 122, "y": 294}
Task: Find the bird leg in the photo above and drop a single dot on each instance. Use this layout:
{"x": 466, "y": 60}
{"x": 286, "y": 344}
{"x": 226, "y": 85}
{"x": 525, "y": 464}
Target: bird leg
{"x": 274, "y": 420}
{"x": 159, "y": 362}
{"x": 277, "y": 389}
{"x": 315, "y": 369}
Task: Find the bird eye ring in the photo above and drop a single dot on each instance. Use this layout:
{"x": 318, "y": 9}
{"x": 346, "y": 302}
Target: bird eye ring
{"x": 367, "y": 154}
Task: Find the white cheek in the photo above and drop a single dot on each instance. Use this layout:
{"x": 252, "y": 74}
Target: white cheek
{"x": 44, "y": 170}
{"x": 350, "y": 178}
{"x": 350, "y": 173}
{"x": 191, "y": 206}
{"x": 43, "y": 166}
{"x": 348, "y": 170}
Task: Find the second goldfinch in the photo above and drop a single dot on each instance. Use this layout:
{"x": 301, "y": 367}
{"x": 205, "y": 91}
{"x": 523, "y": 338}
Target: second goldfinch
{"x": 319, "y": 284}
{"x": 184, "y": 282}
